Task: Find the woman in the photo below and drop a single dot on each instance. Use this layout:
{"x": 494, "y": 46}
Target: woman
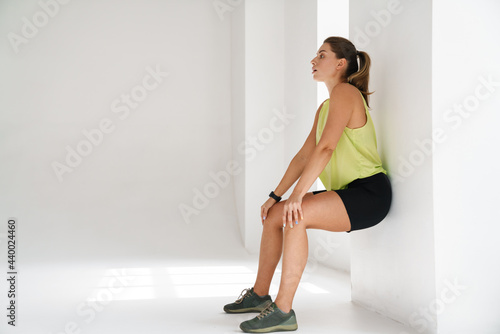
{"x": 342, "y": 150}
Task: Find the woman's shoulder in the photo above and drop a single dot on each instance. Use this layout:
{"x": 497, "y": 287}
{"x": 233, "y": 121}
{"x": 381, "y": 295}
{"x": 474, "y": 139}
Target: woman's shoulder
{"x": 347, "y": 95}
{"x": 344, "y": 90}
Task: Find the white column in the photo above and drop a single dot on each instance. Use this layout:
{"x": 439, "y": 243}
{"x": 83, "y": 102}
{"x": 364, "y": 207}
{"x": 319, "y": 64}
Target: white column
{"x": 466, "y": 101}
{"x": 259, "y": 111}
{"x": 392, "y": 264}
{"x": 329, "y": 249}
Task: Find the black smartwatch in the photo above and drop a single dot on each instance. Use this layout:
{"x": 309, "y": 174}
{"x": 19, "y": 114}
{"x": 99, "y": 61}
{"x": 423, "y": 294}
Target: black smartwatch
{"x": 276, "y": 198}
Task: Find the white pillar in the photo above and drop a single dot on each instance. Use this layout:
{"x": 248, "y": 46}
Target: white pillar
{"x": 332, "y": 19}
{"x": 259, "y": 121}
{"x": 433, "y": 263}
{"x": 466, "y": 100}
{"x": 393, "y": 264}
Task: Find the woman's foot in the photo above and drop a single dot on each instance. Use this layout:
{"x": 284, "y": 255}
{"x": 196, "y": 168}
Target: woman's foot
{"x": 249, "y": 301}
{"x": 272, "y": 319}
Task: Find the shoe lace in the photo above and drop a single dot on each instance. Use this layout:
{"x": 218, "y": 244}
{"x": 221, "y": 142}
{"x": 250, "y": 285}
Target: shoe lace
{"x": 244, "y": 294}
{"x": 266, "y": 312}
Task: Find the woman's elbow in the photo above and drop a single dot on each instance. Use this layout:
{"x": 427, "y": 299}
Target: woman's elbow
{"x": 327, "y": 149}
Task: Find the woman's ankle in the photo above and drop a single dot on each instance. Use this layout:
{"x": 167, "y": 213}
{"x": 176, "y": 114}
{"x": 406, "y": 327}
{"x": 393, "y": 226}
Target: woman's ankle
{"x": 284, "y": 307}
{"x": 259, "y": 291}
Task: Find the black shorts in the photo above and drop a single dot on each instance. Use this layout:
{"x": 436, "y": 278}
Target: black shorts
{"x": 366, "y": 200}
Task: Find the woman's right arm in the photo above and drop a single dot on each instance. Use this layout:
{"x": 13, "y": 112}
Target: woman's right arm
{"x": 295, "y": 168}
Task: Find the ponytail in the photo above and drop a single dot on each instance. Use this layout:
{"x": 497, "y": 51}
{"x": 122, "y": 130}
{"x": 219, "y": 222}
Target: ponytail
{"x": 360, "y": 78}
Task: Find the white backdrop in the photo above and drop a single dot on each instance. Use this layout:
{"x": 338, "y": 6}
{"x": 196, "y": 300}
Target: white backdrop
{"x": 154, "y": 78}
{"x": 116, "y": 142}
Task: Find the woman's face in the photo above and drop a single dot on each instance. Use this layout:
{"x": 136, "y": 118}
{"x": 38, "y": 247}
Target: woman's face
{"x": 325, "y": 65}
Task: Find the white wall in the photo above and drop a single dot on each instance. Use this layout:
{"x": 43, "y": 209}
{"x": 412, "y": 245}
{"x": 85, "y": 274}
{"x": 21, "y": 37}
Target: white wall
{"x": 433, "y": 262}
{"x": 332, "y": 20}
{"x": 264, "y": 86}
{"x": 123, "y": 199}
{"x": 330, "y": 249}
{"x": 275, "y": 41}
{"x": 392, "y": 264}
{"x": 259, "y": 121}
{"x": 465, "y": 116}
{"x": 238, "y": 96}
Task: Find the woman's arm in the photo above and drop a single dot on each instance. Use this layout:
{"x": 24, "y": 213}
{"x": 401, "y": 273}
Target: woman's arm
{"x": 299, "y": 161}
{"x": 339, "y": 114}
{"x": 295, "y": 168}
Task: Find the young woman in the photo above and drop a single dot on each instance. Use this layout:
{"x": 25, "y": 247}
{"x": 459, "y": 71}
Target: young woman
{"x": 342, "y": 150}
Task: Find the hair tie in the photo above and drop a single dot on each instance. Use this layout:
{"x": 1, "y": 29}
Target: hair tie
{"x": 358, "y": 53}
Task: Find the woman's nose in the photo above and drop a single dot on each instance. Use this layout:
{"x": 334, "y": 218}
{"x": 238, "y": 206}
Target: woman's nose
{"x": 313, "y": 62}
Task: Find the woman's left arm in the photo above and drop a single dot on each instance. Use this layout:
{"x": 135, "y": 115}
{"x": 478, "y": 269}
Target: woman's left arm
{"x": 339, "y": 113}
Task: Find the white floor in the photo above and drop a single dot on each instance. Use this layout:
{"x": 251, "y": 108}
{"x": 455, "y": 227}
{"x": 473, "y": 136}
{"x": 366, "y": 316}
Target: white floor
{"x": 176, "y": 296}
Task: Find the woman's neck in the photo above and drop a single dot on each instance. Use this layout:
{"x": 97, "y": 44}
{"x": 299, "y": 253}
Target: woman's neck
{"x": 330, "y": 84}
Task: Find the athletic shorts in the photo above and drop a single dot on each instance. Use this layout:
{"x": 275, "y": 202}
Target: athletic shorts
{"x": 366, "y": 200}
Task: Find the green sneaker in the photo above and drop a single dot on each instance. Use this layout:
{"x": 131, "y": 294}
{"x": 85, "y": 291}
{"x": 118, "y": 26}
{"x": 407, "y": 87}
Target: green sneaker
{"x": 272, "y": 319}
{"x": 249, "y": 301}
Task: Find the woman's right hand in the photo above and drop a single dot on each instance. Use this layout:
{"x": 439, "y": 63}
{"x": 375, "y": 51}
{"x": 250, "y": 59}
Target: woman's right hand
{"x": 265, "y": 208}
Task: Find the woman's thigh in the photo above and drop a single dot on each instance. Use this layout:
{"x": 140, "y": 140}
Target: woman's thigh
{"x": 324, "y": 211}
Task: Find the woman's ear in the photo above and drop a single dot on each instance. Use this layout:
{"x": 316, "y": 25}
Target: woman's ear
{"x": 341, "y": 63}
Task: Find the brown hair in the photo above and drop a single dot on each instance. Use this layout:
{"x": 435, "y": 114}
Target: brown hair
{"x": 343, "y": 48}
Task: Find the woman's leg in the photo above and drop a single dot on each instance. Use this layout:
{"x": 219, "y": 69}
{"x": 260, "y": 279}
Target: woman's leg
{"x": 271, "y": 247}
{"x": 324, "y": 211}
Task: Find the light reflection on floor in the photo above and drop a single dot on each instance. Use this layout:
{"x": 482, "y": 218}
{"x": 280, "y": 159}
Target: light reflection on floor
{"x": 181, "y": 296}
{"x": 187, "y": 282}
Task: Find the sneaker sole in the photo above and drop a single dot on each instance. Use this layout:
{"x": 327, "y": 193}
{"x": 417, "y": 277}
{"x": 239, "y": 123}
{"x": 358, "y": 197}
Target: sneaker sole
{"x": 251, "y": 309}
{"x": 279, "y": 328}
{"x": 288, "y": 325}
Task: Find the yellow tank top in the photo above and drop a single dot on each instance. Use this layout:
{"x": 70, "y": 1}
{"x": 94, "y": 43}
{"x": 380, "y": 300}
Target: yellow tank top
{"x": 355, "y": 156}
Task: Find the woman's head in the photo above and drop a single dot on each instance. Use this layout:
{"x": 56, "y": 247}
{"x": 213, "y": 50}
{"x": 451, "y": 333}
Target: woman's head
{"x": 338, "y": 56}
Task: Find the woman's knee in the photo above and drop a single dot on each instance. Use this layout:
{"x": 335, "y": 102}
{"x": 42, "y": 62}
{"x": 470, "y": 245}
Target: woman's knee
{"x": 275, "y": 215}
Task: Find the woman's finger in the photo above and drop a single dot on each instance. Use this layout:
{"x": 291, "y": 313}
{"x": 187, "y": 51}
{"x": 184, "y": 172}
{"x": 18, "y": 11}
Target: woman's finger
{"x": 296, "y": 215}
{"x": 284, "y": 215}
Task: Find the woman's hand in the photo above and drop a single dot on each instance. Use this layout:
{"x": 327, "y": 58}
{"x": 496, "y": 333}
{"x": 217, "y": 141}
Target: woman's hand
{"x": 292, "y": 211}
{"x": 265, "y": 208}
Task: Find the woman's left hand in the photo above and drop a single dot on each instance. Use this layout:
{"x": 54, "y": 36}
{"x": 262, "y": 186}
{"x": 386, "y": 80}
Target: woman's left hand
{"x": 292, "y": 210}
